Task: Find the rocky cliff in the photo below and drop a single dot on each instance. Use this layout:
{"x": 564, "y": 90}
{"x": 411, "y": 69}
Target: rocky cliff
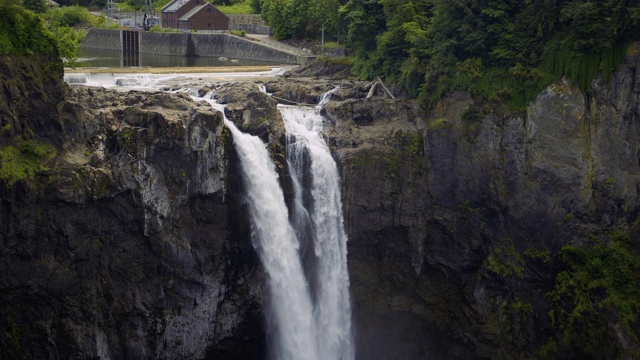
{"x": 470, "y": 228}
{"x": 463, "y": 227}
{"x": 123, "y": 236}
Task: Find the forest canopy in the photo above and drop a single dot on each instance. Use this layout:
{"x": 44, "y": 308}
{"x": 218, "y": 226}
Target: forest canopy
{"x": 497, "y": 49}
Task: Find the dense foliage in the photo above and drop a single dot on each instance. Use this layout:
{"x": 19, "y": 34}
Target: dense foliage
{"x": 302, "y": 18}
{"x": 598, "y": 284}
{"x": 499, "y": 49}
{"x": 68, "y": 25}
{"x": 22, "y": 31}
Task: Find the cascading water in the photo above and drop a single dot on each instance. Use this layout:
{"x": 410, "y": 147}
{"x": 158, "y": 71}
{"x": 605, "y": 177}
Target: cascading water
{"x": 318, "y": 326}
{"x": 294, "y": 333}
{"x": 318, "y": 219}
{"x": 301, "y": 325}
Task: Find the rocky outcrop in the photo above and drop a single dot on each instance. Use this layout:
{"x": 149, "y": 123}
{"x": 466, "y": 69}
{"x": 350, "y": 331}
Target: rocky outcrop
{"x": 132, "y": 245}
{"x": 455, "y": 223}
{"x": 30, "y": 90}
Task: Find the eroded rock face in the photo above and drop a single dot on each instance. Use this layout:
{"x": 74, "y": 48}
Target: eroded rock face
{"x": 30, "y": 90}
{"x": 133, "y": 245}
{"x": 430, "y": 201}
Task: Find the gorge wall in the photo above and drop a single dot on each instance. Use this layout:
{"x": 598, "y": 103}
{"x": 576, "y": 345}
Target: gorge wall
{"x": 129, "y": 242}
{"x": 131, "y": 239}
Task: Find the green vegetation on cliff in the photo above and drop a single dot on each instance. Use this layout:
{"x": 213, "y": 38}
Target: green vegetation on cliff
{"x": 22, "y": 32}
{"x": 24, "y": 160}
{"x": 497, "y": 49}
{"x": 597, "y": 292}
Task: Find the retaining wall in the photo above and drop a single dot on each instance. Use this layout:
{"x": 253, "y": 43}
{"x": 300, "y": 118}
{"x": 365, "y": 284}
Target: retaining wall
{"x": 215, "y": 45}
{"x": 245, "y": 19}
{"x": 252, "y": 28}
{"x": 165, "y": 43}
{"x": 102, "y": 39}
{"x": 192, "y": 44}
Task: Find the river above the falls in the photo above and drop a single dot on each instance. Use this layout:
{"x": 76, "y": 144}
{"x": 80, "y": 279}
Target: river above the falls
{"x": 88, "y": 57}
{"x": 168, "y": 78}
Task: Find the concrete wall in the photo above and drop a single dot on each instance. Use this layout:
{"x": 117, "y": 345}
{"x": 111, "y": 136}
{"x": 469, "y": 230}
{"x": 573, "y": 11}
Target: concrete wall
{"x": 252, "y": 28}
{"x": 192, "y": 44}
{"x": 235, "y": 47}
{"x": 254, "y": 19}
{"x": 102, "y": 39}
{"x": 165, "y": 43}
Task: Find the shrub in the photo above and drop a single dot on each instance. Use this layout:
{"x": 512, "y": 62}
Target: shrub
{"x": 238, "y": 32}
{"x": 24, "y": 160}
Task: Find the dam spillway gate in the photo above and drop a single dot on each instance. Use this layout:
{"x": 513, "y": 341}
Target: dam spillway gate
{"x": 130, "y": 45}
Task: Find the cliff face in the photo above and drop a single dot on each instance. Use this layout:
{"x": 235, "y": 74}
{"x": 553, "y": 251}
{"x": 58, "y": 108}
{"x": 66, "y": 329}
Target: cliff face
{"x": 456, "y": 223}
{"x": 30, "y": 90}
{"x": 131, "y": 240}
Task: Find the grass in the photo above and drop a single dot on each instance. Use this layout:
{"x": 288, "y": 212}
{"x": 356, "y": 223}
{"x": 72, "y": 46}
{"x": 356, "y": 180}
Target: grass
{"x": 24, "y": 160}
{"x": 332, "y": 45}
{"x": 240, "y": 8}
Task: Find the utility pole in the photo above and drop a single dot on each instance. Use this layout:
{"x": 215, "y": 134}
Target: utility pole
{"x": 148, "y": 7}
{"x": 148, "y": 15}
{"x": 109, "y": 11}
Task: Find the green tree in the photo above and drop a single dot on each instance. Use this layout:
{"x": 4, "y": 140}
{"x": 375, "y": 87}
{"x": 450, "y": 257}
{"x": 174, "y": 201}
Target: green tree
{"x": 302, "y": 18}
{"x": 71, "y": 16}
{"x": 256, "y": 5}
{"x": 22, "y": 31}
{"x": 68, "y": 40}
{"x": 37, "y": 6}
{"x": 365, "y": 21}
{"x": 496, "y": 49}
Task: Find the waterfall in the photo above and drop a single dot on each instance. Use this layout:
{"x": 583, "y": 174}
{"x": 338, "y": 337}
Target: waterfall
{"x": 307, "y": 322}
{"x": 293, "y": 324}
{"x": 318, "y": 221}
{"x": 305, "y": 258}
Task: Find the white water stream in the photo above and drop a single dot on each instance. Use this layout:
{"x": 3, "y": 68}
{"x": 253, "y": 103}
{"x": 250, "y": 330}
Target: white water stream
{"x": 318, "y": 218}
{"x": 313, "y": 296}
{"x": 294, "y": 335}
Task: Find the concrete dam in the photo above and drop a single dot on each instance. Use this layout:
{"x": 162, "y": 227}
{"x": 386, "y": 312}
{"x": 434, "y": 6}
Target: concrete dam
{"x": 132, "y": 43}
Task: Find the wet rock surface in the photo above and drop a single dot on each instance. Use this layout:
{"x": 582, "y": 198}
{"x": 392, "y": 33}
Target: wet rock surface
{"x": 131, "y": 246}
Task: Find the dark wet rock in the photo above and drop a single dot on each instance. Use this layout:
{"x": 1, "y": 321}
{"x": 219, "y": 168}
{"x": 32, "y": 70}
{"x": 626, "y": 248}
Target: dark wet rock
{"x": 430, "y": 200}
{"x": 131, "y": 245}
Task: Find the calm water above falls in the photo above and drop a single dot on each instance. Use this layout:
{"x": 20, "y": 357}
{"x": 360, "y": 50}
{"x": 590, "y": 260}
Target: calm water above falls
{"x": 115, "y": 58}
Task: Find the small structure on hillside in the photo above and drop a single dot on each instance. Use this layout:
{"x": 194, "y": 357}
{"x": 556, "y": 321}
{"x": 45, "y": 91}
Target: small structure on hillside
{"x": 193, "y": 15}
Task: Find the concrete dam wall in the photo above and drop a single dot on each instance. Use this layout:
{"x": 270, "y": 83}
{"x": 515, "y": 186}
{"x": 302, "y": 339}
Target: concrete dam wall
{"x": 236, "y": 47}
{"x": 102, "y": 39}
{"x": 191, "y": 44}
